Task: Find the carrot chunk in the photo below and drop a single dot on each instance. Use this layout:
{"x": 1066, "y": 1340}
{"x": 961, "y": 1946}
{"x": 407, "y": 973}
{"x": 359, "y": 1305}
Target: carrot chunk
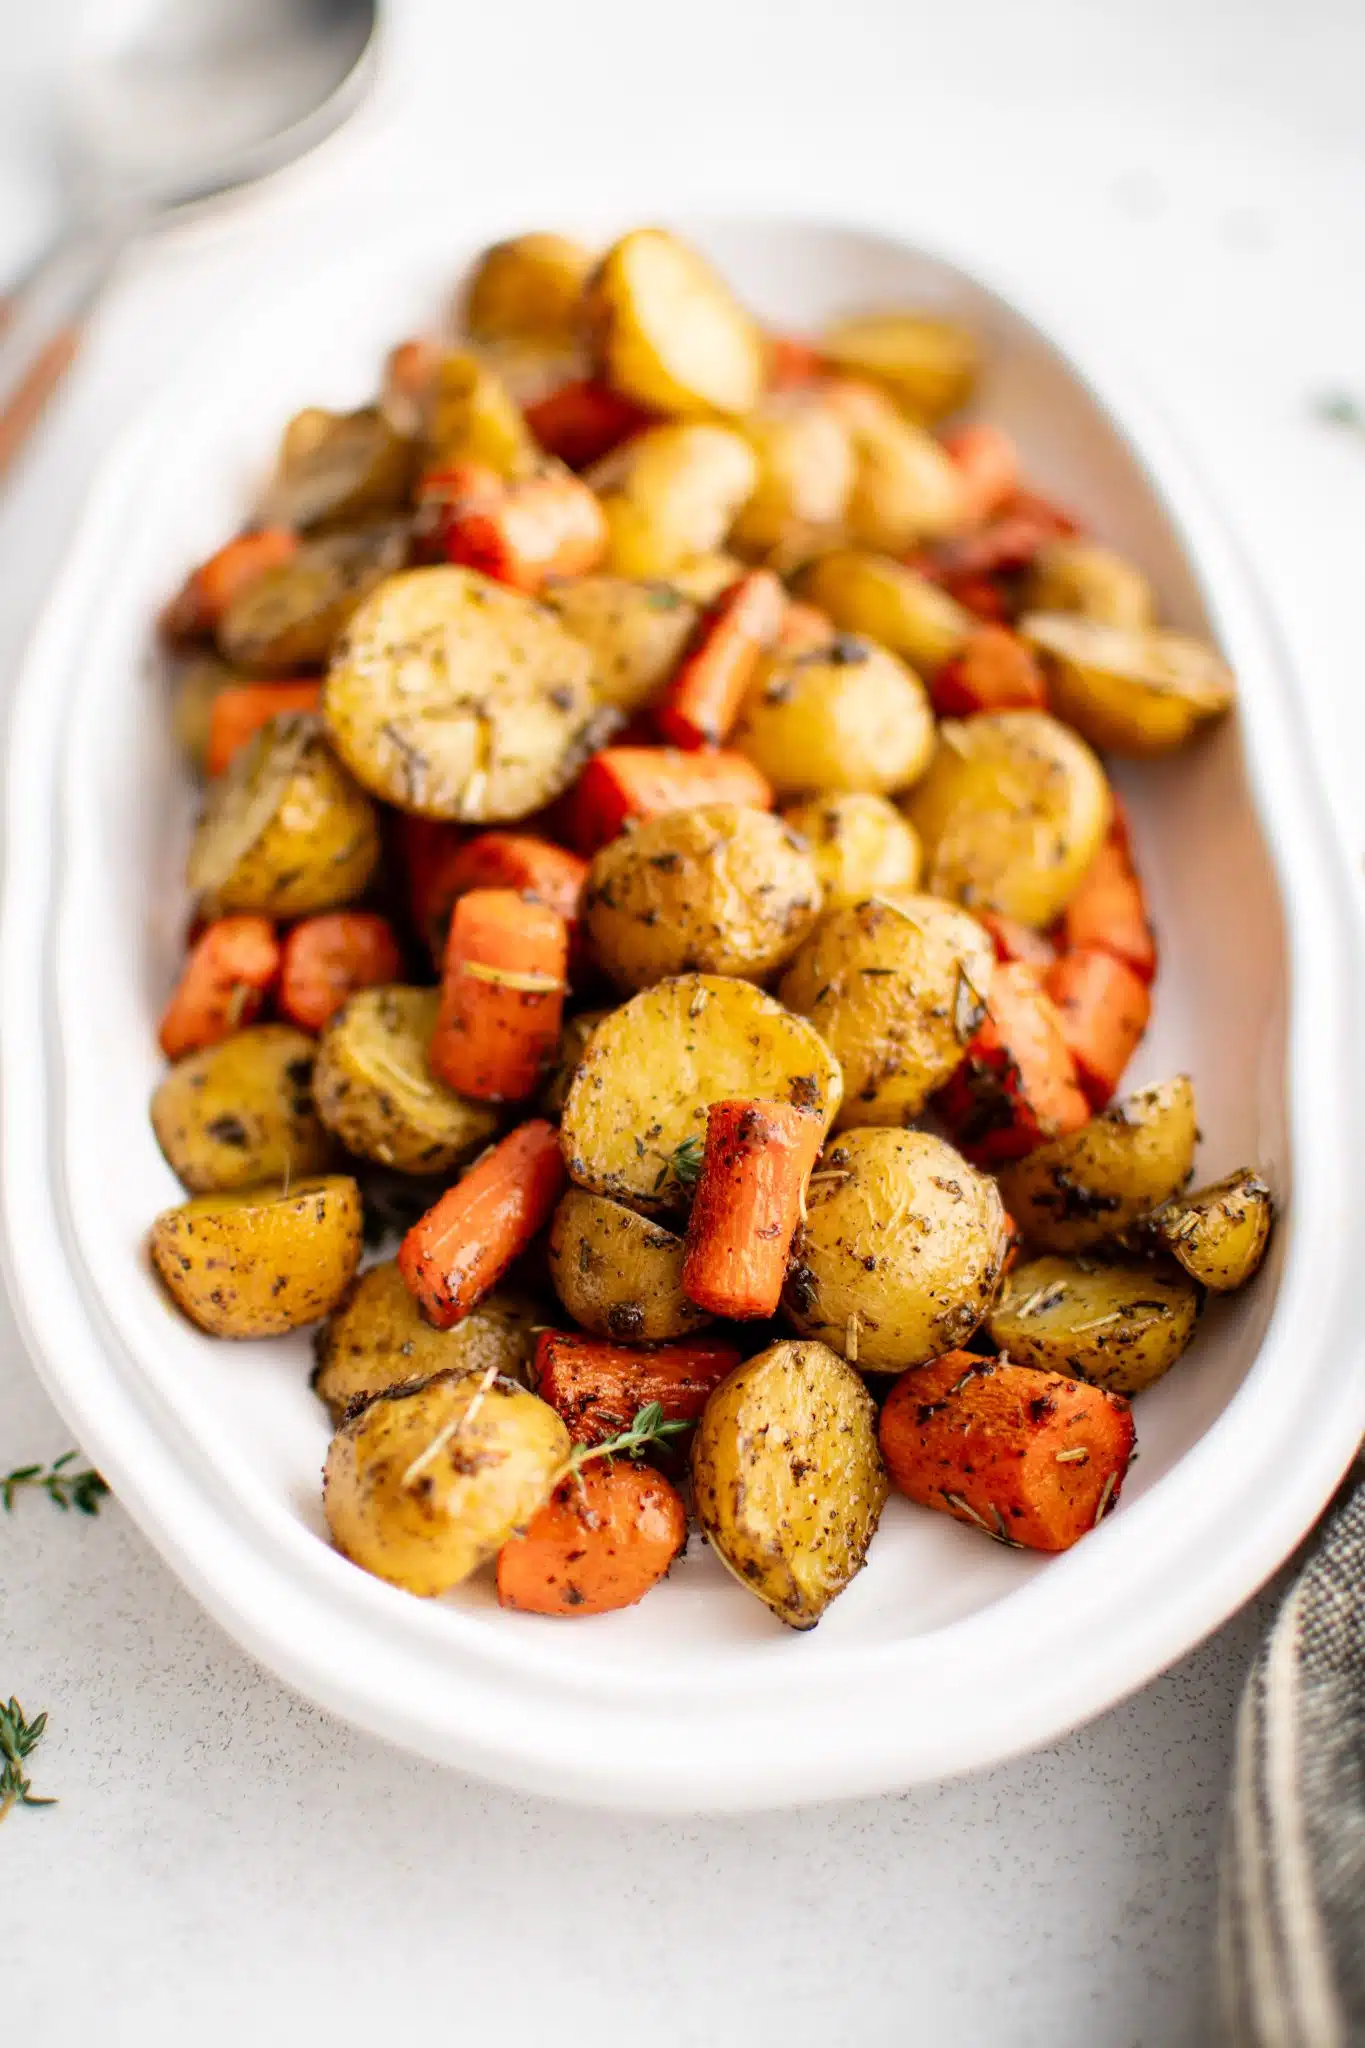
{"x": 1033, "y": 1458}
{"x": 994, "y": 671}
{"x": 1109, "y": 909}
{"x": 208, "y": 590}
{"x": 464, "y": 1244}
{"x": 703, "y": 699}
{"x": 640, "y": 782}
{"x": 598, "y": 1388}
{"x": 1017, "y": 1085}
{"x": 583, "y": 421}
{"x": 792, "y": 362}
{"x": 535, "y": 868}
{"x": 502, "y": 996}
{"x": 1104, "y": 1008}
{"x": 803, "y": 626}
{"x": 239, "y": 711}
{"x": 540, "y": 526}
{"x": 747, "y": 1205}
{"x": 605, "y": 1536}
{"x": 987, "y": 464}
{"x": 1014, "y": 1244}
{"x": 428, "y": 849}
{"x": 1017, "y": 942}
{"x": 326, "y": 959}
{"x": 223, "y": 985}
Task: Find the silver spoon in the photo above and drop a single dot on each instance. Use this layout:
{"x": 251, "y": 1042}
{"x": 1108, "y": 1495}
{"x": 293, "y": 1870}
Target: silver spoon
{"x": 170, "y": 102}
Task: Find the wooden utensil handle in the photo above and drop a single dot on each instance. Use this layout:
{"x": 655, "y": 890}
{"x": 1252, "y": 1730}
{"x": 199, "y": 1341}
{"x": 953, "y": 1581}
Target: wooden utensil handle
{"x": 20, "y": 414}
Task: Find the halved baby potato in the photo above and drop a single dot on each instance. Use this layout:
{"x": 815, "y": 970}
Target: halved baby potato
{"x": 1128, "y": 692}
{"x": 374, "y": 1088}
{"x": 636, "y": 633}
{"x": 669, "y": 333}
{"x": 1081, "y": 576}
{"x": 242, "y": 1111}
{"x": 619, "y": 1274}
{"x": 1076, "y": 1191}
{"x": 194, "y": 689}
{"x": 672, "y": 494}
{"x": 873, "y": 594}
{"x": 906, "y": 487}
{"x": 255, "y": 1262}
{"x": 860, "y": 844}
{"x": 1118, "y": 1326}
{"x": 342, "y": 468}
{"x": 805, "y": 475}
{"x": 292, "y": 615}
{"x": 377, "y": 1338}
{"x": 927, "y": 363}
{"x": 1219, "y": 1234}
{"x": 528, "y": 289}
{"x": 849, "y": 716}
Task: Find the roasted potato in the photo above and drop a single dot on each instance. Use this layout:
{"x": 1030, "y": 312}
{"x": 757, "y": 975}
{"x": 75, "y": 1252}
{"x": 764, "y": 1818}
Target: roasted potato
{"x": 901, "y": 1253}
{"x": 805, "y": 475}
{"x": 668, "y": 333}
{"x": 619, "y": 1274}
{"x": 452, "y": 697}
{"x": 859, "y": 843}
{"x": 1011, "y": 814}
{"x": 1118, "y": 1326}
{"x": 375, "y": 1090}
{"x": 1076, "y": 1191}
{"x": 1128, "y": 692}
{"x": 702, "y": 578}
{"x": 255, "y": 1262}
{"x": 572, "y": 1040}
{"x": 788, "y": 1480}
{"x": 672, "y": 494}
{"x": 291, "y": 616}
{"x": 636, "y": 633}
{"x": 242, "y": 1111}
{"x": 425, "y": 1484}
{"x": 1081, "y": 576}
{"x": 927, "y": 363}
{"x": 1220, "y": 1233}
{"x": 886, "y": 601}
{"x": 528, "y": 289}
{"x": 195, "y": 688}
{"x": 284, "y": 829}
{"x": 846, "y": 717}
{"x": 344, "y": 468}
{"x": 652, "y": 1068}
{"x": 717, "y": 890}
{"x": 906, "y": 487}
{"x": 376, "y": 1338}
{"x": 472, "y": 417}
{"x": 894, "y": 986}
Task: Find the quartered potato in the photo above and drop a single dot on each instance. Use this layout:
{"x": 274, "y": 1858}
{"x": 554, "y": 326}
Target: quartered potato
{"x": 1128, "y": 692}
{"x": 805, "y": 474}
{"x": 195, "y": 688}
{"x": 928, "y": 364}
{"x": 846, "y": 717}
{"x": 668, "y": 333}
{"x": 376, "y": 1338}
{"x": 291, "y": 616}
{"x": 886, "y": 601}
{"x": 636, "y": 633}
{"x": 453, "y": 697}
{"x": 242, "y": 1111}
{"x": 375, "y": 1090}
{"x": 859, "y": 843}
{"x": 672, "y": 494}
{"x": 427, "y": 1483}
{"x": 1081, "y": 576}
{"x": 619, "y": 1274}
{"x": 1077, "y": 1191}
{"x": 338, "y": 469}
{"x": 1011, "y": 814}
{"x": 906, "y": 487}
{"x": 636, "y": 1107}
{"x": 528, "y": 289}
{"x": 284, "y": 829}
{"x": 718, "y": 890}
{"x": 1220, "y": 1233}
{"x": 894, "y": 986}
{"x": 902, "y": 1250}
{"x": 1118, "y": 1326}
{"x": 255, "y": 1262}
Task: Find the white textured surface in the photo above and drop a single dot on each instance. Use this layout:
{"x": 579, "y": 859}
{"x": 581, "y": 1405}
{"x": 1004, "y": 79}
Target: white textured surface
{"x": 224, "y": 1857}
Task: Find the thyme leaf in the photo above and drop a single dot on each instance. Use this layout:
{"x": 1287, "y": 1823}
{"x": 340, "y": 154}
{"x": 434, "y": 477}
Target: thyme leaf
{"x": 82, "y": 1491}
{"x": 649, "y": 1427}
{"x": 18, "y": 1739}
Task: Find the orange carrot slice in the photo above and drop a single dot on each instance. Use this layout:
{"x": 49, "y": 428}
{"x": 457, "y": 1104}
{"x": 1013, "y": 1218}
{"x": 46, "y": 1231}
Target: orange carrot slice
{"x": 464, "y": 1244}
{"x": 792, "y": 362}
{"x": 583, "y": 421}
{"x": 240, "y": 710}
{"x": 747, "y": 1205}
{"x": 540, "y": 527}
{"x": 1017, "y": 1084}
{"x": 1104, "y": 1008}
{"x": 208, "y": 590}
{"x": 641, "y": 782}
{"x": 1109, "y": 909}
{"x": 598, "y": 1388}
{"x": 702, "y": 701}
{"x": 535, "y": 868}
{"x": 993, "y": 671}
{"x": 502, "y": 996}
{"x": 607, "y": 1534}
{"x": 326, "y": 959}
{"x": 1017, "y": 942}
{"x": 223, "y": 985}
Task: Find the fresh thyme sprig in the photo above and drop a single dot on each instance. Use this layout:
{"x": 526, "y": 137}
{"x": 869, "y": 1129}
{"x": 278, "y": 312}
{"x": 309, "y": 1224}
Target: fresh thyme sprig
{"x": 683, "y": 1162}
{"x": 82, "y": 1491}
{"x": 648, "y": 1427}
{"x": 18, "y": 1739}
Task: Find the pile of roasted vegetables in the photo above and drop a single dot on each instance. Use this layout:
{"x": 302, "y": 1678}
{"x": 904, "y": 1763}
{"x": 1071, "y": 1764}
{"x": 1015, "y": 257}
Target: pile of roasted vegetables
{"x": 655, "y": 858}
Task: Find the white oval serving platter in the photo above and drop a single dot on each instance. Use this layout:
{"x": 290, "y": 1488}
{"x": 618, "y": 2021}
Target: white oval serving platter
{"x": 947, "y": 1652}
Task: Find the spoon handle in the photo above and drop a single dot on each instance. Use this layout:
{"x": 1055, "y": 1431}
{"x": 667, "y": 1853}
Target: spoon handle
{"x": 40, "y": 324}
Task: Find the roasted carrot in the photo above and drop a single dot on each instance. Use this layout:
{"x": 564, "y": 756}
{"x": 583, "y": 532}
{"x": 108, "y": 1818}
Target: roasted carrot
{"x": 428, "y": 848}
{"x": 535, "y": 868}
{"x": 803, "y": 626}
{"x": 410, "y": 375}
{"x": 241, "y": 709}
{"x": 598, "y": 1388}
{"x": 747, "y": 1205}
{"x": 1014, "y": 1244}
{"x": 1104, "y": 1008}
{"x": 223, "y": 984}
{"x": 1032, "y": 1458}
{"x": 791, "y": 361}
{"x": 987, "y": 464}
{"x": 1017, "y": 1084}
{"x": 208, "y": 590}
{"x": 703, "y": 699}
{"x": 1109, "y": 910}
{"x": 541, "y": 526}
{"x": 983, "y": 570}
{"x": 607, "y": 1534}
{"x": 464, "y": 1244}
{"x": 993, "y": 671}
{"x": 502, "y": 996}
{"x": 640, "y": 782}
{"x": 583, "y": 421}
{"x": 1017, "y": 942}
{"x": 326, "y": 959}
{"x": 446, "y": 496}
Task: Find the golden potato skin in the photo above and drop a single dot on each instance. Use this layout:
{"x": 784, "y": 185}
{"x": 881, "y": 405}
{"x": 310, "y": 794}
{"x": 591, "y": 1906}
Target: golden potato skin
{"x": 472, "y": 417}
{"x": 291, "y": 617}
{"x": 342, "y": 469}
{"x": 859, "y": 843}
{"x": 883, "y": 599}
{"x": 1136, "y": 693}
{"x": 1077, "y": 1191}
{"x": 619, "y": 1274}
{"x": 242, "y": 1111}
{"x": 668, "y": 333}
{"x": 1081, "y": 576}
{"x": 901, "y": 1253}
{"x": 636, "y": 633}
{"x": 1118, "y": 1326}
{"x": 425, "y": 1484}
{"x": 194, "y": 690}
{"x": 722, "y": 889}
{"x": 1219, "y": 1234}
{"x": 1011, "y": 813}
{"x": 652, "y": 1068}
{"x": 847, "y": 717}
{"x": 573, "y": 1038}
{"x": 284, "y": 830}
{"x": 906, "y": 487}
{"x": 373, "y": 1086}
{"x": 805, "y": 475}
{"x": 671, "y": 494}
{"x": 928, "y": 364}
{"x": 887, "y": 983}
{"x": 788, "y": 1480}
{"x": 255, "y": 1262}
{"x": 702, "y": 578}
{"x": 528, "y": 289}
{"x": 376, "y": 1338}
